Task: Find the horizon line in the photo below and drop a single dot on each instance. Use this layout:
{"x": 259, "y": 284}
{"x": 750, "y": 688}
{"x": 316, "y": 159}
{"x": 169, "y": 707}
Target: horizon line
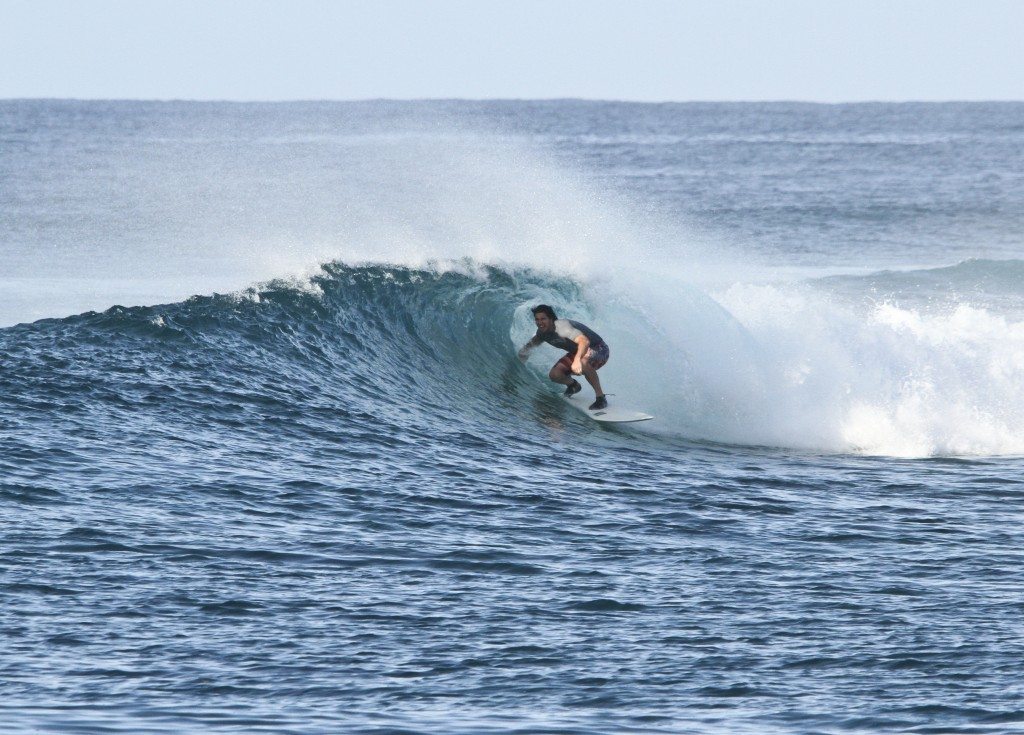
{"x": 312, "y": 100}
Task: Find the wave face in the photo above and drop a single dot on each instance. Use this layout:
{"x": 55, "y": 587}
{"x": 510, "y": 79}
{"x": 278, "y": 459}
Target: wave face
{"x": 377, "y": 351}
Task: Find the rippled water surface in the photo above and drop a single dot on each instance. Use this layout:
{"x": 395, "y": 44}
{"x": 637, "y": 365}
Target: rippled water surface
{"x": 336, "y": 502}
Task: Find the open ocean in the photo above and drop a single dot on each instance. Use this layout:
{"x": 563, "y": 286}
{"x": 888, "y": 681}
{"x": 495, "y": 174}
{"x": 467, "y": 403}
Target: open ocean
{"x": 269, "y": 464}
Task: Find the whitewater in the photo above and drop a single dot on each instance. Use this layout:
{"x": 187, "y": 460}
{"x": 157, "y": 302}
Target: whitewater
{"x": 268, "y": 461}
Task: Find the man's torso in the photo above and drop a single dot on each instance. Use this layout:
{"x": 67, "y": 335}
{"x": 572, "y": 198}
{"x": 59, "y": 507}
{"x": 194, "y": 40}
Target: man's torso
{"x": 565, "y": 333}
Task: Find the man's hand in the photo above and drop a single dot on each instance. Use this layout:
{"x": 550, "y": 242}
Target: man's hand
{"x": 577, "y": 367}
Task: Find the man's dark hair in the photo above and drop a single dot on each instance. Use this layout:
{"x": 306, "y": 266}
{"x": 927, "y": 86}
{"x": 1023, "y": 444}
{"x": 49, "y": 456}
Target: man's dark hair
{"x": 544, "y": 309}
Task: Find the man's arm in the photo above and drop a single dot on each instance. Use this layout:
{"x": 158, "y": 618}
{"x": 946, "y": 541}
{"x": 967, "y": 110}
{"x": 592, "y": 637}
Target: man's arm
{"x": 583, "y": 344}
{"x": 524, "y": 351}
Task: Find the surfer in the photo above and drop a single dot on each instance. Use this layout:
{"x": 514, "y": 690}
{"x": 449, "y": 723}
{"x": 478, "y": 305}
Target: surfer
{"x": 587, "y": 352}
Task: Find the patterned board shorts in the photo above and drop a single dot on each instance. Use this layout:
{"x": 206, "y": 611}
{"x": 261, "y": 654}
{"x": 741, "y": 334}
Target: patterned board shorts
{"x": 596, "y": 356}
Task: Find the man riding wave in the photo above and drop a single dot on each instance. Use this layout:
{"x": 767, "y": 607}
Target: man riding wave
{"x": 586, "y": 352}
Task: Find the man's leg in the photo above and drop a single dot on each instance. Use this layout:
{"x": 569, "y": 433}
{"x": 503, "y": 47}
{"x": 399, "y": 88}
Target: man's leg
{"x": 560, "y": 374}
{"x": 591, "y": 375}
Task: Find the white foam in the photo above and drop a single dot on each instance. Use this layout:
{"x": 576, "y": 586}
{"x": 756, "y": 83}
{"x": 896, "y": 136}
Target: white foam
{"x": 797, "y": 368}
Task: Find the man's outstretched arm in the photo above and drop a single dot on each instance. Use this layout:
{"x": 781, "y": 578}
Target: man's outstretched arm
{"x": 524, "y": 351}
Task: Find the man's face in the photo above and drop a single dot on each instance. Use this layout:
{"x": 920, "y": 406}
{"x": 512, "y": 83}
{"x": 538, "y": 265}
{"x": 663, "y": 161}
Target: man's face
{"x": 543, "y": 322}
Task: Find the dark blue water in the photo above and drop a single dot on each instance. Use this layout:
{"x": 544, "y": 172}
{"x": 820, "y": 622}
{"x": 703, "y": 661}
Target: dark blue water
{"x": 334, "y": 501}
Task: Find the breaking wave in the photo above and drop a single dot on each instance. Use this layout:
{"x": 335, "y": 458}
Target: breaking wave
{"x": 922, "y": 363}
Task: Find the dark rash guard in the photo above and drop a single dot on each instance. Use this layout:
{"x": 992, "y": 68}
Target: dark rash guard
{"x": 564, "y": 334}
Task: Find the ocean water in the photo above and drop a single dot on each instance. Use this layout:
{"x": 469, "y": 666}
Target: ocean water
{"x": 268, "y": 461}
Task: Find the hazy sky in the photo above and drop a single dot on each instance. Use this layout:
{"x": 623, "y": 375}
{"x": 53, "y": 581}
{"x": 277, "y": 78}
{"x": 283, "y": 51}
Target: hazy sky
{"x": 824, "y": 50}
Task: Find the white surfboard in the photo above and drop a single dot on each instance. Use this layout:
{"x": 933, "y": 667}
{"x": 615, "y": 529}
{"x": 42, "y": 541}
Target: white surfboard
{"x": 613, "y": 414}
